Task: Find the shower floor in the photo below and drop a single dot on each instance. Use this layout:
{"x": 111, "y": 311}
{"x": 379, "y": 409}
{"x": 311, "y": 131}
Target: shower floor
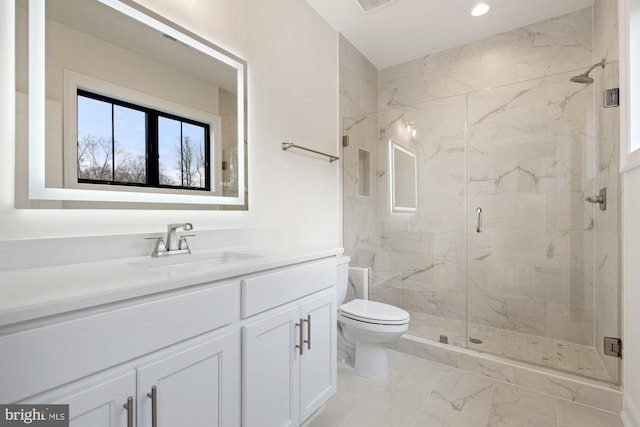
{"x": 566, "y": 356}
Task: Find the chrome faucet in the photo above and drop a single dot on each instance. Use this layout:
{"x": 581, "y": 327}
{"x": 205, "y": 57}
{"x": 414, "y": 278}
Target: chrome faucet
{"x": 172, "y": 238}
{"x": 174, "y": 244}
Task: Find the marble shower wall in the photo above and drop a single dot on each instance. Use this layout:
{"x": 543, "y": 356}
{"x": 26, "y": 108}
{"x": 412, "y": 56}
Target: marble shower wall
{"x": 428, "y": 246}
{"x": 358, "y": 97}
{"x": 549, "y": 47}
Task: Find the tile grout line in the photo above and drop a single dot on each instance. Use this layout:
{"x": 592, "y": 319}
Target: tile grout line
{"x": 493, "y": 393}
{"x": 435, "y": 383}
{"x": 555, "y": 408}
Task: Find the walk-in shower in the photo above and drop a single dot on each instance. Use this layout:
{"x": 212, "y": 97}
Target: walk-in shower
{"x": 500, "y": 252}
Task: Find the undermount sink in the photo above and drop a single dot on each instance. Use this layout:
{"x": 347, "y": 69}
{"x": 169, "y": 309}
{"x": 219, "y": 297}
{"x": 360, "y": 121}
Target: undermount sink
{"x": 192, "y": 263}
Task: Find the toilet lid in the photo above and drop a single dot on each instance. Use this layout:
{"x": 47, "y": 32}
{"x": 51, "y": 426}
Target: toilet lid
{"x": 359, "y": 309}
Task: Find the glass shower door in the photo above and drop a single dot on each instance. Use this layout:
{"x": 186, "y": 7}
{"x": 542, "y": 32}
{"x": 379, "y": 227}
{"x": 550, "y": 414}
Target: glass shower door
{"x": 532, "y": 287}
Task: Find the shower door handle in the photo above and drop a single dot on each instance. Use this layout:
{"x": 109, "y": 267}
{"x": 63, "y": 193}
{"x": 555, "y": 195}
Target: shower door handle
{"x": 479, "y": 220}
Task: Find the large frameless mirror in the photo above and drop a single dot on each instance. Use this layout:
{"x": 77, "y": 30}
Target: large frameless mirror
{"x": 118, "y": 105}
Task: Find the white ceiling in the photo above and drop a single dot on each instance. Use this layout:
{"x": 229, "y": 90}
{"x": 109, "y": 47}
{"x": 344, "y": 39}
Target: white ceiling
{"x": 409, "y": 29}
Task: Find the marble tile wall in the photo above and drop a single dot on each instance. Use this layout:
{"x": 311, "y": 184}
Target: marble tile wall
{"x": 358, "y": 98}
{"x": 545, "y": 48}
{"x": 386, "y": 287}
{"x": 428, "y": 246}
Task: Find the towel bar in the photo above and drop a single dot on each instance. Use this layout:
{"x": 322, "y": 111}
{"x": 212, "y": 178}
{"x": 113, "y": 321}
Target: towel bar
{"x": 287, "y": 145}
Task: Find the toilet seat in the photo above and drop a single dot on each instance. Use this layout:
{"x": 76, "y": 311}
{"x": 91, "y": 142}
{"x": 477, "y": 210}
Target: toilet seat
{"x": 374, "y": 312}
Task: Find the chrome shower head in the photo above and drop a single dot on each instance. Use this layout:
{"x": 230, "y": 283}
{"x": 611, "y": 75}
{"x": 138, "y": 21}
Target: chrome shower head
{"x": 584, "y": 77}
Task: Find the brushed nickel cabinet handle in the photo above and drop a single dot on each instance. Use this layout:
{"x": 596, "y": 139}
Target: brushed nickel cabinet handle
{"x": 308, "y": 340}
{"x": 479, "y": 220}
{"x": 129, "y": 407}
{"x": 154, "y": 406}
{"x": 301, "y": 336}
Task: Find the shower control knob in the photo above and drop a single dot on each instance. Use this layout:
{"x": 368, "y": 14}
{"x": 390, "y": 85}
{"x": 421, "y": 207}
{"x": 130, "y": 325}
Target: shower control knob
{"x": 595, "y": 199}
{"x": 600, "y": 198}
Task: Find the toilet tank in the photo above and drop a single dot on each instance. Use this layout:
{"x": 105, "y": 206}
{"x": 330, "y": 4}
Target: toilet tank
{"x": 342, "y": 277}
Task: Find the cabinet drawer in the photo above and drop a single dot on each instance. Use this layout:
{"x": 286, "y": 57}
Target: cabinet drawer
{"x": 265, "y": 291}
{"x": 72, "y": 349}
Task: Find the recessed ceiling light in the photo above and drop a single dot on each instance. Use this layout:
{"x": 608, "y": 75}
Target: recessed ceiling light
{"x": 368, "y": 6}
{"x": 480, "y": 9}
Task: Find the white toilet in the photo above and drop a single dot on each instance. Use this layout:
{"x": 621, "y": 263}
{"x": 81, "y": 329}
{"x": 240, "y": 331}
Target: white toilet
{"x": 366, "y": 326}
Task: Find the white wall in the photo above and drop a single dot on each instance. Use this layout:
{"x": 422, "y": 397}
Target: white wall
{"x": 292, "y": 59}
{"x": 631, "y": 250}
{"x": 629, "y": 10}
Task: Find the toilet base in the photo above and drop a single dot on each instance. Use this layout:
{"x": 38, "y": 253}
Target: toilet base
{"x": 371, "y": 360}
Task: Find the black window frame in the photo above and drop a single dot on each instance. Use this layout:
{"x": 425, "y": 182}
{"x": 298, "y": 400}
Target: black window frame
{"x": 151, "y": 145}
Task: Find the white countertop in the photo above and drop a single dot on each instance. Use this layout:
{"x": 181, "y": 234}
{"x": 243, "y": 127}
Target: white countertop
{"x": 33, "y": 293}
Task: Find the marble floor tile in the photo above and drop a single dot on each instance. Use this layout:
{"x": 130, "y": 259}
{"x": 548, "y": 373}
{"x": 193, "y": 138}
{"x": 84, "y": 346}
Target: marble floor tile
{"x": 420, "y": 393}
{"x": 460, "y": 399}
{"x": 392, "y": 411}
{"x": 336, "y": 410}
{"x": 517, "y": 407}
{"x": 410, "y": 377}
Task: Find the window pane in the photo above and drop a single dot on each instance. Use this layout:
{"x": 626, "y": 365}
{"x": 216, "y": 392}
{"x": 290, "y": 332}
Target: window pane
{"x": 169, "y": 151}
{"x": 129, "y": 132}
{"x": 94, "y": 139}
{"x": 193, "y": 156}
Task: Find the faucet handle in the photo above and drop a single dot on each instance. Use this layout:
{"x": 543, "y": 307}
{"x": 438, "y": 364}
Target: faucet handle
{"x": 182, "y": 243}
{"x": 160, "y": 246}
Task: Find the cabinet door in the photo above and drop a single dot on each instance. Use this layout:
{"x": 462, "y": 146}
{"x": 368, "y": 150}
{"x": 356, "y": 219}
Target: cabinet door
{"x": 193, "y": 387}
{"x": 318, "y": 364}
{"x": 270, "y": 371}
{"x": 99, "y": 404}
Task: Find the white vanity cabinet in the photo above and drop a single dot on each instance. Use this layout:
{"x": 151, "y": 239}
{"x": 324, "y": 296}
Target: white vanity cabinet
{"x": 192, "y": 388}
{"x": 182, "y": 342}
{"x": 289, "y": 352}
{"x": 193, "y": 385}
{"x": 99, "y": 403}
{"x": 318, "y": 362}
{"x": 256, "y": 349}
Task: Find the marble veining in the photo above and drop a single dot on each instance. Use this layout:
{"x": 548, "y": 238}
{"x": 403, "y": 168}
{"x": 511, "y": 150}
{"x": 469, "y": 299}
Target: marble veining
{"x": 421, "y": 393}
